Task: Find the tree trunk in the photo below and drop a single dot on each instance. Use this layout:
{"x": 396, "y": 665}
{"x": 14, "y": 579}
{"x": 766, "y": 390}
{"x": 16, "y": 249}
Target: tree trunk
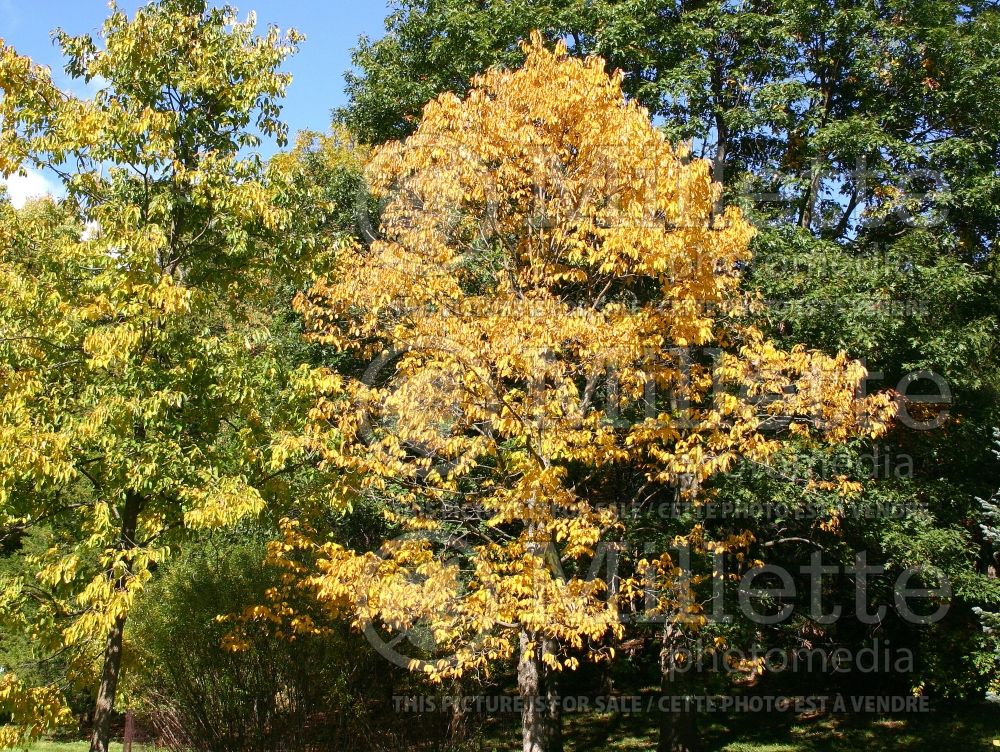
{"x": 540, "y": 717}
{"x": 722, "y": 136}
{"x": 553, "y": 703}
{"x": 104, "y": 708}
{"x": 816, "y": 169}
{"x": 812, "y": 194}
{"x": 678, "y": 731}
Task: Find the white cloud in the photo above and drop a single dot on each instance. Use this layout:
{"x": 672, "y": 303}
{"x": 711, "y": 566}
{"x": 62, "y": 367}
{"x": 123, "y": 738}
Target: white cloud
{"x": 91, "y": 230}
{"x": 32, "y": 184}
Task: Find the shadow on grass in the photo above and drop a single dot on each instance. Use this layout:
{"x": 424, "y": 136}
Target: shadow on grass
{"x": 969, "y": 728}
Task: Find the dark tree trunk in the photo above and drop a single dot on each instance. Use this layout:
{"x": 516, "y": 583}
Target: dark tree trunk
{"x": 722, "y": 135}
{"x": 104, "y": 708}
{"x": 812, "y": 194}
{"x": 553, "y": 704}
{"x": 808, "y": 211}
{"x": 541, "y": 722}
{"x": 678, "y": 729}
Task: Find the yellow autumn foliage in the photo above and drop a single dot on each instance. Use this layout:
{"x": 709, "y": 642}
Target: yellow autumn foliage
{"x": 547, "y": 263}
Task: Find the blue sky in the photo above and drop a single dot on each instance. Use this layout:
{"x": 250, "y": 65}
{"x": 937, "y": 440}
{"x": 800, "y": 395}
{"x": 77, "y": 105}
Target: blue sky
{"x": 331, "y": 28}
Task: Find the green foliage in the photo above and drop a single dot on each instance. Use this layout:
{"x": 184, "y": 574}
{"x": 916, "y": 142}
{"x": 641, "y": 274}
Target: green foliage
{"x": 201, "y": 696}
{"x": 146, "y": 345}
{"x": 434, "y": 47}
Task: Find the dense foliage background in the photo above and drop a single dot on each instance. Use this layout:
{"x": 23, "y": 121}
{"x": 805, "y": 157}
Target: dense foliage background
{"x": 154, "y": 373}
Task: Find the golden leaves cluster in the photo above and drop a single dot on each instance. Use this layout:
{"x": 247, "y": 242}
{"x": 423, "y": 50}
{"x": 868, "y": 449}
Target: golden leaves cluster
{"x": 547, "y": 260}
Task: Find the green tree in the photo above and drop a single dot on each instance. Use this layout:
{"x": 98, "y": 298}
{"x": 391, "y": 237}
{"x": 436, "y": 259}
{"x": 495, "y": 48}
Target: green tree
{"x": 142, "y": 350}
{"x": 436, "y": 47}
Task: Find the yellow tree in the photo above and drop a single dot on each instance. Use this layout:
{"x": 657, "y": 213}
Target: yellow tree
{"x": 546, "y": 259}
{"x": 139, "y": 360}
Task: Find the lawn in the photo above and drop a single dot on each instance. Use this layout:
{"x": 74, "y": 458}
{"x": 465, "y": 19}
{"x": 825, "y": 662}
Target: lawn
{"x": 972, "y": 729}
{"x": 50, "y": 746}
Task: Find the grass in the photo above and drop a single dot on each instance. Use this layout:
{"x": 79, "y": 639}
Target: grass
{"x": 50, "y": 746}
{"x": 971, "y": 729}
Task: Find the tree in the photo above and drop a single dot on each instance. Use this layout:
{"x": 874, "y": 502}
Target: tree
{"x": 546, "y": 261}
{"x": 438, "y": 47}
{"x": 857, "y": 138}
{"x": 139, "y": 361}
